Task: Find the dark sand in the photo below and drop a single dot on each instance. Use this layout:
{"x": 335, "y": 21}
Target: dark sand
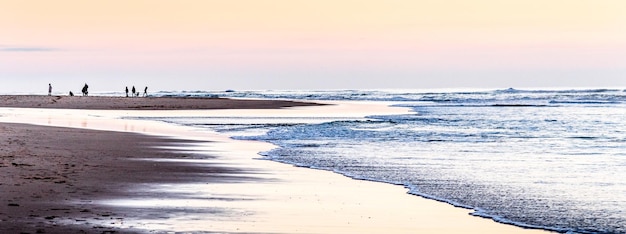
{"x": 140, "y": 103}
{"x": 51, "y": 176}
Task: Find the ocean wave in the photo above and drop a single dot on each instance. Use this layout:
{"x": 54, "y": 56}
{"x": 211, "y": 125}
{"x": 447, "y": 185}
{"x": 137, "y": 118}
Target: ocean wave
{"x": 545, "y": 159}
{"x": 509, "y": 96}
{"x": 585, "y": 102}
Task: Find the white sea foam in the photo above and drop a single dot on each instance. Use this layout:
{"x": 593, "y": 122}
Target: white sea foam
{"x": 549, "y": 159}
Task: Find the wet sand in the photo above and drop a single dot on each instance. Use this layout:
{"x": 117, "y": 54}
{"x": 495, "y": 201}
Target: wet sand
{"x": 172, "y": 178}
{"x": 51, "y": 176}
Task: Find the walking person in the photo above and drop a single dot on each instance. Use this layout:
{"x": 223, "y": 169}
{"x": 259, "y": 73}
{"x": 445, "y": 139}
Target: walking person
{"x": 49, "y": 89}
{"x": 145, "y": 92}
{"x": 134, "y": 90}
{"x": 85, "y": 90}
{"x": 126, "y": 91}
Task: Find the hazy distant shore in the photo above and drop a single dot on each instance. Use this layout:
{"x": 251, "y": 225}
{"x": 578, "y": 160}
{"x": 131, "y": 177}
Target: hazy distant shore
{"x": 140, "y": 103}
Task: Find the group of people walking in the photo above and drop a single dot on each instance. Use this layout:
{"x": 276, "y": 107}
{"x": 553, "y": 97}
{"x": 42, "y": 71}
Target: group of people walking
{"x": 135, "y": 93}
{"x": 85, "y": 91}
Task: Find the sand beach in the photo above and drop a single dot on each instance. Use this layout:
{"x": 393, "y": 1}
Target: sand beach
{"x": 73, "y": 165}
{"x": 144, "y": 103}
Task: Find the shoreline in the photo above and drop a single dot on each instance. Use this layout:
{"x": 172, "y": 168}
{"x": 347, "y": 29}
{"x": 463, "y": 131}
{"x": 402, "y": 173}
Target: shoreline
{"x": 286, "y": 199}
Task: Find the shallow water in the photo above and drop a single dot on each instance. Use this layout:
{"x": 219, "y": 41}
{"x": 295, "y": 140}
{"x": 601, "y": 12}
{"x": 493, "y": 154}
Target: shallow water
{"x": 536, "y": 158}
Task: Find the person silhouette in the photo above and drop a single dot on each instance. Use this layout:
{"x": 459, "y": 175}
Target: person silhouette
{"x": 49, "y": 89}
{"x": 134, "y": 90}
{"x": 85, "y": 90}
{"x": 145, "y": 92}
{"x": 126, "y": 91}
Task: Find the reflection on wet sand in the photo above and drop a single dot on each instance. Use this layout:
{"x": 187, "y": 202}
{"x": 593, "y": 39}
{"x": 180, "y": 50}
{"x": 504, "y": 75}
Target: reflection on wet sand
{"x": 183, "y": 179}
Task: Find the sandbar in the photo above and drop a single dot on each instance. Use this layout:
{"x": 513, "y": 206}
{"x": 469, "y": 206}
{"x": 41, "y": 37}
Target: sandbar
{"x": 141, "y": 103}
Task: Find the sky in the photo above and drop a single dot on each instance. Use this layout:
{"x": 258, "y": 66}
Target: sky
{"x": 310, "y": 44}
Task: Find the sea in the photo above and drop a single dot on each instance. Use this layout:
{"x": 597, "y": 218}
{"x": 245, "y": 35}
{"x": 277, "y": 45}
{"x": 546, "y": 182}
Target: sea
{"x": 534, "y": 158}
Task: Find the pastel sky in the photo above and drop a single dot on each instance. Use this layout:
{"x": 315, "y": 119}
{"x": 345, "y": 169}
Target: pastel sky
{"x": 311, "y": 44}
